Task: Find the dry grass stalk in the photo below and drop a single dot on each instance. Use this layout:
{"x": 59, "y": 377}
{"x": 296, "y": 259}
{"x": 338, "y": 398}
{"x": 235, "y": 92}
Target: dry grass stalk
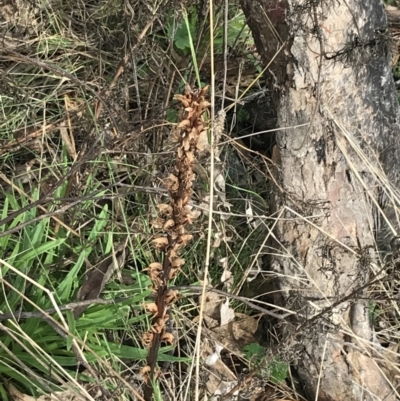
{"x": 190, "y": 135}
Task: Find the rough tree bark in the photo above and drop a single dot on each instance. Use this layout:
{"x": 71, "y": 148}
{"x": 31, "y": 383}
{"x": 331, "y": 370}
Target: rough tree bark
{"x": 333, "y": 75}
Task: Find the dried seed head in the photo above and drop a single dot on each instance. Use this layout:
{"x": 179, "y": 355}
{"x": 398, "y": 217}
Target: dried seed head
{"x": 168, "y": 338}
{"x": 185, "y": 239}
{"x": 147, "y": 338}
{"x": 172, "y": 183}
{"x": 163, "y": 208}
{"x": 155, "y": 266}
{"x": 178, "y": 262}
{"x": 159, "y": 324}
{"x": 160, "y": 243}
{"x": 151, "y": 308}
{"x": 158, "y": 222}
{"x": 169, "y": 224}
{"x": 171, "y": 296}
{"x": 173, "y": 273}
{"x": 144, "y": 372}
{"x": 184, "y": 124}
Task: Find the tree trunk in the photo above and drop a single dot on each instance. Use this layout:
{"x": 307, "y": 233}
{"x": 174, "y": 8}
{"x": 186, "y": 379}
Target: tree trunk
{"x": 334, "y": 79}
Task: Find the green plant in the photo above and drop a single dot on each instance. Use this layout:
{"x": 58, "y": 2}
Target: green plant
{"x": 254, "y": 353}
{"x": 374, "y": 312}
{"x": 31, "y": 283}
{"x": 276, "y": 370}
{"x": 391, "y": 2}
{"x": 183, "y": 32}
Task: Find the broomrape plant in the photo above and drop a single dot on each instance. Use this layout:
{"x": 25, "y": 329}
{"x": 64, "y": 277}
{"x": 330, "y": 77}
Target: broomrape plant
{"x": 190, "y": 137}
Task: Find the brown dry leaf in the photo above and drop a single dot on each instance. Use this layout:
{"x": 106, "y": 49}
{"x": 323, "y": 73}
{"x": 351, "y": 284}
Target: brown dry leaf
{"x": 204, "y": 205}
{"x": 235, "y": 335}
{"x": 211, "y": 309}
{"x": 218, "y": 387}
{"x": 97, "y": 277}
{"x": 252, "y": 220}
{"x": 211, "y": 356}
{"x": 365, "y": 370}
{"x": 219, "y": 373}
{"x": 120, "y": 204}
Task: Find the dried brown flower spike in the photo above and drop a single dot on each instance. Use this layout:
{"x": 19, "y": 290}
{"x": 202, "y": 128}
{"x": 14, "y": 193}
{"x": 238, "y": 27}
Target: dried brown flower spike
{"x": 191, "y": 137}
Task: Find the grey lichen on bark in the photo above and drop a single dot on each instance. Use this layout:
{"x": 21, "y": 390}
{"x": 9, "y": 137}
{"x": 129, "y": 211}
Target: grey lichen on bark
{"x": 338, "y": 79}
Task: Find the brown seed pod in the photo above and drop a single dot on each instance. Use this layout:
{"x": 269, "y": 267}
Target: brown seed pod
{"x": 159, "y": 324}
{"x": 147, "y": 338}
{"x": 151, "y": 308}
{"x": 169, "y": 224}
{"x": 168, "y": 338}
{"x": 144, "y": 372}
{"x": 160, "y": 243}
{"x": 163, "y": 208}
{"x": 171, "y": 296}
